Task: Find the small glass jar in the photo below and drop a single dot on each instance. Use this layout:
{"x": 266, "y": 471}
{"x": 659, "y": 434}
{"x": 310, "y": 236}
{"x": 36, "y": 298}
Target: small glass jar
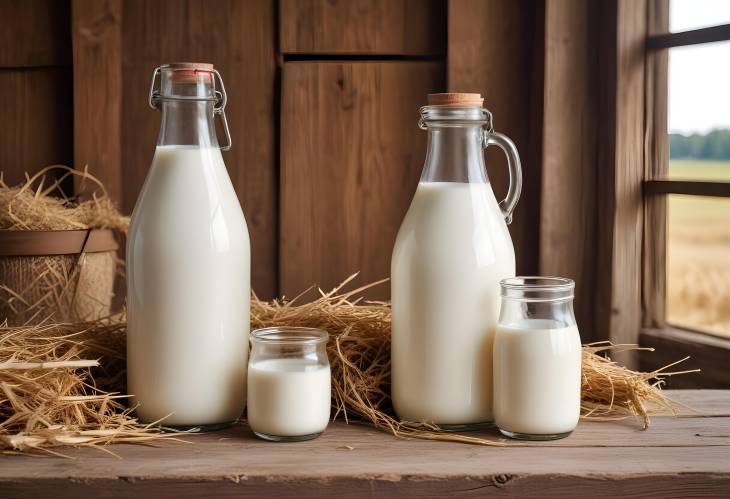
{"x": 537, "y": 359}
{"x": 288, "y": 383}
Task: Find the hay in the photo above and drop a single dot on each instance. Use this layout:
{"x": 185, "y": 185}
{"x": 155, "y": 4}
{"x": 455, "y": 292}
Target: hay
{"x": 610, "y": 391}
{"x": 51, "y": 379}
{"x": 62, "y": 288}
{"x": 33, "y": 205}
{"x": 61, "y": 384}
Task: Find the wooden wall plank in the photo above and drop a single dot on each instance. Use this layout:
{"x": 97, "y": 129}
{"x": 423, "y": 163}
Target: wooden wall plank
{"x": 363, "y": 26}
{"x": 36, "y": 128}
{"x": 34, "y": 33}
{"x": 568, "y": 215}
{"x": 239, "y": 38}
{"x": 350, "y": 162}
{"x": 621, "y": 166}
{"x": 35, "y": 87}
{"x": 495, "y": 47}
{"x": 656, "y": 161}
{"x": 97, "y": 67}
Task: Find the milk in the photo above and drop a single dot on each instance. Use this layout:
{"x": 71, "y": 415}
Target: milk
{"x": 452, "y": 250}
{"x": 537, "y": 377}
{"x": 188, "y": 280}
{"x": 288, "y": 397}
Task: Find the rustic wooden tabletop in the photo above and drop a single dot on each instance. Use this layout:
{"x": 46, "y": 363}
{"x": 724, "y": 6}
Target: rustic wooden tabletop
{"x": 685, "y": 456}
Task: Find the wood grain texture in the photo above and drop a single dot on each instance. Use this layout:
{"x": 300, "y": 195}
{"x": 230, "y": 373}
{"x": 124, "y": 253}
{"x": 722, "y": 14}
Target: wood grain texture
{"x": 36, "y": 129}
{"x": 621, "y": 211}
{"x": 707, "y": 352}
{"x": 34, "y": 33}
{"x": 97, "y": 67}
{"x": 405, "y": 27}
{"x": 677, "y": 485}
{"x": 239, "y": 38}
{"x": 495, "y": 48}
{"x": 350, "y": 162}
{"x": 568, "y": 209}
{"x": 656, "y": 162}
{"x": 676, "y": 457}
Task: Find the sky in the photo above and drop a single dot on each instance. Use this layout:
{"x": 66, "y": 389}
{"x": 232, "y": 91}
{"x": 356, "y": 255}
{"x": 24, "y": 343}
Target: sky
{"x": 699, "y": 75}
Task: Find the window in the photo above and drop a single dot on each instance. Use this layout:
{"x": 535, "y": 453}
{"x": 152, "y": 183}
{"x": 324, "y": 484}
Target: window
{"x": 687, "y": 186}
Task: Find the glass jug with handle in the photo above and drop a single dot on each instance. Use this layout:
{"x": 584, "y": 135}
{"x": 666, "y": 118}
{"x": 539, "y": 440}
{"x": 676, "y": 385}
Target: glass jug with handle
{"x": 452, "y": 250}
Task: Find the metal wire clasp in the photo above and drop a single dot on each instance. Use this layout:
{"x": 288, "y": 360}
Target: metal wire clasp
{"x": 221, "y": 99}
{"x": 488, "y": 125}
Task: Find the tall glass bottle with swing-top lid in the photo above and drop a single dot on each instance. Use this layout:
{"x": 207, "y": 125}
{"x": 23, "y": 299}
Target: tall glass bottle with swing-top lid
{"x": 451, "y": 252}
{"x": 188, "y": 264}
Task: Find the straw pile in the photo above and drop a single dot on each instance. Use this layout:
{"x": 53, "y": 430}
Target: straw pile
{"x": 60, "y": 384}
{"x": 58, "y": 287}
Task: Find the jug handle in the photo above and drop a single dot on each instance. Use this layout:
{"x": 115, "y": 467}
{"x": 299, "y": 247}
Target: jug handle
{"x": 514, "y": 167}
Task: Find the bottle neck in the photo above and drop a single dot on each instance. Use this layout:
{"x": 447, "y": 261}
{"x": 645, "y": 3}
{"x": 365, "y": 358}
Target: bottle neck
{"x": 187, "y": 123}
{"x": 455, "y": 154}
{"x": 544, "y": 314}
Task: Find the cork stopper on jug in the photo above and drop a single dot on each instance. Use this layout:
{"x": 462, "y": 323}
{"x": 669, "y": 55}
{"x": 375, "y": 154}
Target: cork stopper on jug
{"x": 456, "y": 99}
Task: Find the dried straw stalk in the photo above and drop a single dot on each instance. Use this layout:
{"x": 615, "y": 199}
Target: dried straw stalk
{"x": 60, "y": 384}
{"x": 33, "y": 205}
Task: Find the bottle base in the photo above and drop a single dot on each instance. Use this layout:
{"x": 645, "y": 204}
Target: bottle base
{"x": 291, "y": 438}
{"x": 534, "y": 437}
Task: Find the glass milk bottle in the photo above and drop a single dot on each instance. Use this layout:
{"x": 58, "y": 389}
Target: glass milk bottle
{"x": 452, "y": 250}
{"x": 188, "y": 265}
{"x": 537, "y": 359}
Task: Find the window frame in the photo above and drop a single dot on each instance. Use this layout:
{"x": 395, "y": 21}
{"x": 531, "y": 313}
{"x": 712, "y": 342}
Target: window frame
{"x": 706, "y": 350}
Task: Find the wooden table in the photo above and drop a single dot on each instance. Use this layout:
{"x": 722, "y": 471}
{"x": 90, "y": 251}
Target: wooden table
{"x": 687, "y": 456}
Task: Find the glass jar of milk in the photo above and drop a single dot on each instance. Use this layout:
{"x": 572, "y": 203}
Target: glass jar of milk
{"x": 288, "y": 383}
{"x": 188, "y": 264}
{"x": 537, "y": 359}
{"x": 452, "y": 250}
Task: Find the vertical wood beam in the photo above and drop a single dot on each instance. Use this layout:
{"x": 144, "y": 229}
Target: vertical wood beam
{"x": 97, "y": 68}
{"x": 656, "y": 160}
{"x": 621, "y": 206}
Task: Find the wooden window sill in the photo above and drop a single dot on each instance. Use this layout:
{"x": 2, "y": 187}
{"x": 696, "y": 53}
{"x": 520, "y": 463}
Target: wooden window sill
{"x": 707, "y": 352}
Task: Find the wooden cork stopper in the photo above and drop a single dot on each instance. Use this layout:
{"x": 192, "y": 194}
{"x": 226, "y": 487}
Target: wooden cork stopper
{"x": 456, "y": 99}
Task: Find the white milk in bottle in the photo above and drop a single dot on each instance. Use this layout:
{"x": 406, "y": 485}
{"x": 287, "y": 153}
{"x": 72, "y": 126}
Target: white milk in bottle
{"x": 452, "y": 250}
{"x": 188, "y": 268}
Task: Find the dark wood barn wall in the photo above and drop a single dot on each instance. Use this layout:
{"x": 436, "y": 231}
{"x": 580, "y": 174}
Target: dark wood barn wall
{"x": 351, "y": 153}
{"x": 35, "y": 87}
{"x": 323, "y": 106}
